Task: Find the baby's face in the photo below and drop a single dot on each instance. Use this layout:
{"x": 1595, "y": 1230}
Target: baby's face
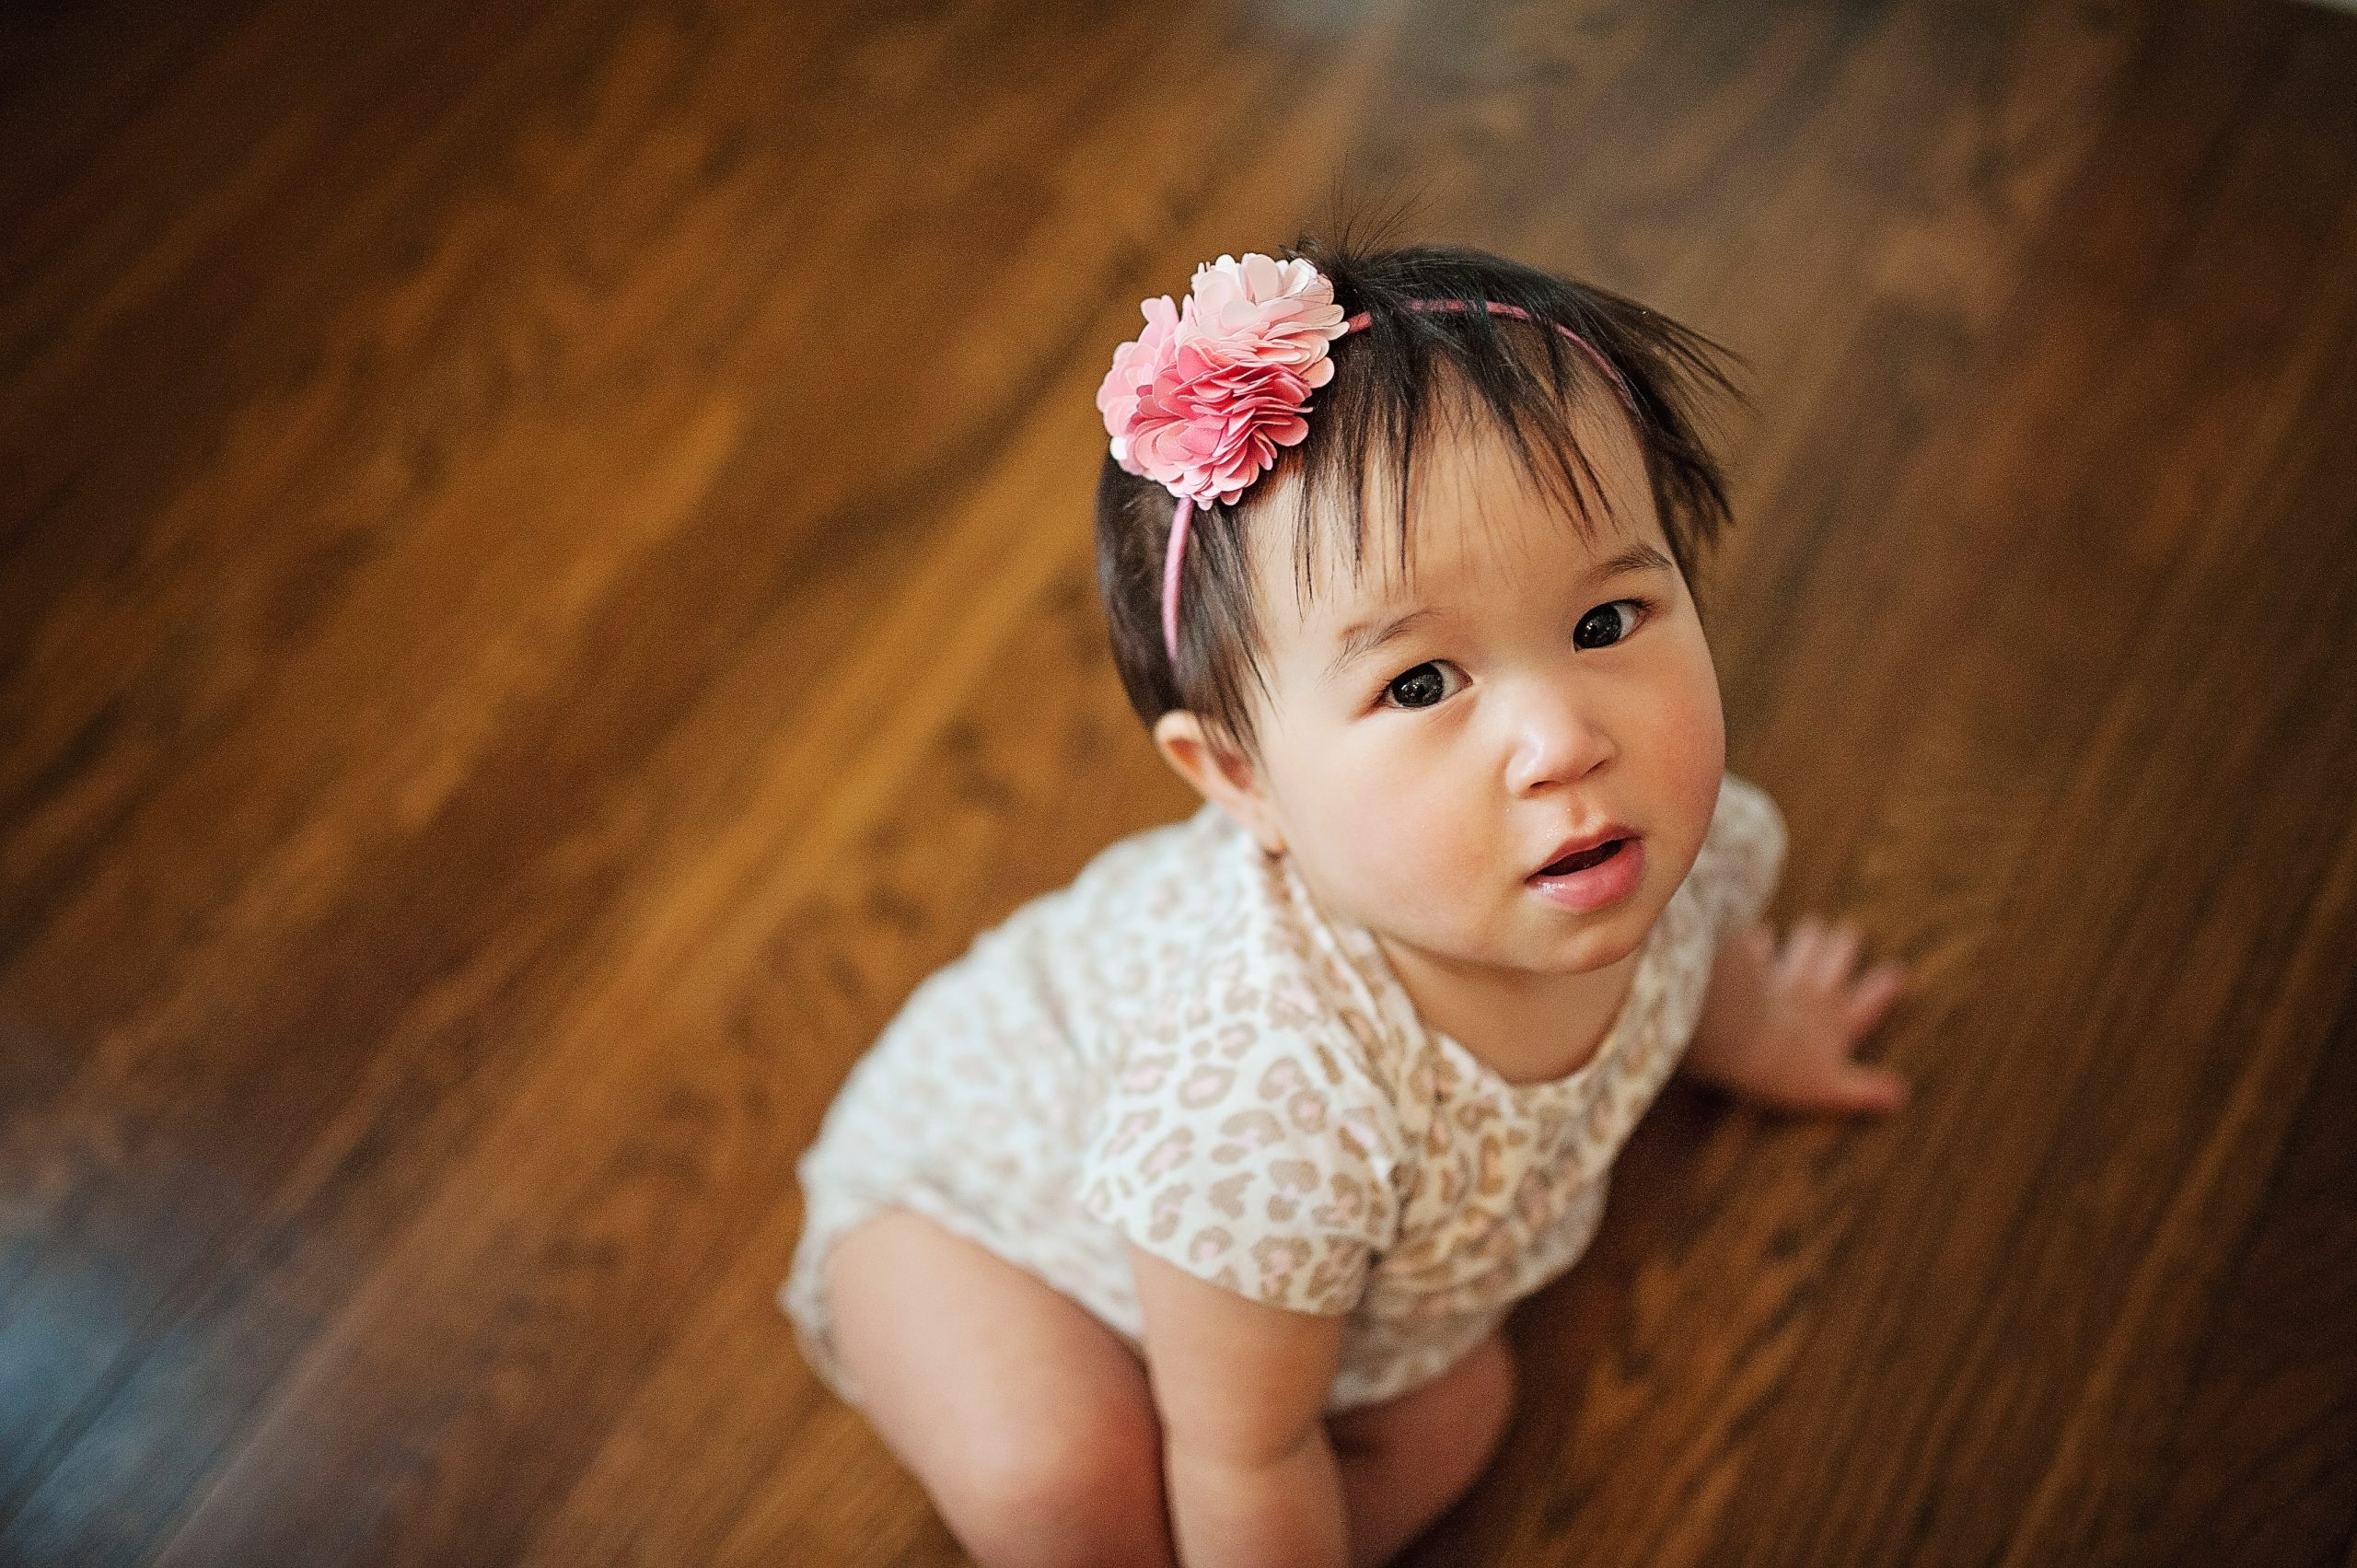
{"x": 1547, "y": 686}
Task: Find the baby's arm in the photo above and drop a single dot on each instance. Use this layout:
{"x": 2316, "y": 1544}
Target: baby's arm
{"x": 1241, "y": 1389}
{"x": 1781, "y": 1027}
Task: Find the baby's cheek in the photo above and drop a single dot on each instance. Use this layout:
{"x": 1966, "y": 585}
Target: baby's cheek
{"x": 1461, "y": 873}
{"x": 1697, "y": 762}
{"x": 1411, "y": 851}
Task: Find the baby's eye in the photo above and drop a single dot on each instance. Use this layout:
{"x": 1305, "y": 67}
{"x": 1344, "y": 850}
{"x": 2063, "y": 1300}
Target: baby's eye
{"x": 1608, "y": 623}
{"x": 1420, "y": 687}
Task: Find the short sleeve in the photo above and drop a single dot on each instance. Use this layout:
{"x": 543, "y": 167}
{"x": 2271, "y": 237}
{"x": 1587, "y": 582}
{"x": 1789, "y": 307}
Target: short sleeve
{"x": 1742, "y": 855}
{"x": 1255, "y": 1156}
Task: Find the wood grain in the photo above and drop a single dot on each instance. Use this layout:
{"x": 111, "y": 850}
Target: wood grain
{"x": 545, "y": 583}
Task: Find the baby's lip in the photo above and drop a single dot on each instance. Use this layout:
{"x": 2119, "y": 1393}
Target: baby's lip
{"x": 1580, "y": 843}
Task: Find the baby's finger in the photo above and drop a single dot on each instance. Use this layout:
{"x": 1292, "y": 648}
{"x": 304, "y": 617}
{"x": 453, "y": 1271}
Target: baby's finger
{"x": 1830, "y": 966}
{"x": 1872, "y": 995}
{"x": 1800, "y": 946}
{"x": 1872, "y": 1089}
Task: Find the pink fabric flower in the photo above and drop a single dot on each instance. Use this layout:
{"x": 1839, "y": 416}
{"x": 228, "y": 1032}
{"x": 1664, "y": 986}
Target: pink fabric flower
{"x": 1135, "y": 363}
{"x": 1202, "y": 399}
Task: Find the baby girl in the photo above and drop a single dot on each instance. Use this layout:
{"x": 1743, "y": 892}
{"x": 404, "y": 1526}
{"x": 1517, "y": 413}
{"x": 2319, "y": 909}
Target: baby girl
{"x": 1176, "y": 1221}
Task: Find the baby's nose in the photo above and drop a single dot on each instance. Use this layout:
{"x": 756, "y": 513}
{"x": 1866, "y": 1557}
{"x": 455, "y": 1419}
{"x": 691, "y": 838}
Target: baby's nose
{"x": 1555, "y": 738}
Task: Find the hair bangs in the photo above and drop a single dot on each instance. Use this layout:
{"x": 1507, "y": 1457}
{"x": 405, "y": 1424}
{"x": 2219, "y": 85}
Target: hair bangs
{"x": 1366, "y": 450}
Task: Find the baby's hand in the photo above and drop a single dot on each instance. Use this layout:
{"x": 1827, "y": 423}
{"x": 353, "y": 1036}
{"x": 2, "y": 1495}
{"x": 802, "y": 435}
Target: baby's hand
{"x": 1779, "y": 1028}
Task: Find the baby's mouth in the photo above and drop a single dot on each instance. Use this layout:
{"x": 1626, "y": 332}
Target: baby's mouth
{"x": 1583, "y": 860}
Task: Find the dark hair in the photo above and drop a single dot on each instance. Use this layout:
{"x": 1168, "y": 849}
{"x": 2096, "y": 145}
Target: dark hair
{"x": 1390, "y": 380}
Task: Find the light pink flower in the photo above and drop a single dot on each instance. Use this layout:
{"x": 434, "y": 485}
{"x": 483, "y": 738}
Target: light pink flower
{"x": 1201, "y": 402}
{"x": 1270, "y": 312}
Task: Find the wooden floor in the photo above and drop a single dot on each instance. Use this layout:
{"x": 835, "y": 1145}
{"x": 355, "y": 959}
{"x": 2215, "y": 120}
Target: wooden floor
{"x": 545, "y": 582}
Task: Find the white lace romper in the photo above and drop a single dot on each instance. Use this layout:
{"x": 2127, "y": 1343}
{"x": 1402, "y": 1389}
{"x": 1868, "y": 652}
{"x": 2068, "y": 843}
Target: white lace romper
{"x": 1181, "y": 1048}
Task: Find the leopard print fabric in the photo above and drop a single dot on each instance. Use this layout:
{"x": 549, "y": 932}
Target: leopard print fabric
{"x": 1183, "y": 1050}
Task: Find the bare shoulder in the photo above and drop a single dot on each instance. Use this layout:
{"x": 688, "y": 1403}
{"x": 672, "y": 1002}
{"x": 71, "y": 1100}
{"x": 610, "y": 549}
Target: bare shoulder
{"x": 1232, "y": 1374}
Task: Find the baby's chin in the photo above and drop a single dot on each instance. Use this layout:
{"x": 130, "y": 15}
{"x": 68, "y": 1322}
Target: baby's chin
{"x": 1599, "y": 944}
{"x": 1545, "y": 949}
{"x": 1600, "y": 948}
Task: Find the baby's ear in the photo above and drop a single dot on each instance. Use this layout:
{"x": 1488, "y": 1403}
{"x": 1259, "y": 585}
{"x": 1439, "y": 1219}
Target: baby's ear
{"x": 1220, "y": 771}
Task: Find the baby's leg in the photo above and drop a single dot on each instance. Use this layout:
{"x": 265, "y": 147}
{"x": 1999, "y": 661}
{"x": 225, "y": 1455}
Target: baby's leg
{"x": 1405, "y": 1460}
{"x": 1029, "y": 1422}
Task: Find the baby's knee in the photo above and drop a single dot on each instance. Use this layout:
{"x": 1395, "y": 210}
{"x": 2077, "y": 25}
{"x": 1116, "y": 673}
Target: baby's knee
{"x": 1087, "y": 1492}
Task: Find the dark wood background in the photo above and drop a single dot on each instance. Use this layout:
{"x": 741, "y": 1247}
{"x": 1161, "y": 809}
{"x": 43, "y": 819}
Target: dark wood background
{"x": 544, "y": 583}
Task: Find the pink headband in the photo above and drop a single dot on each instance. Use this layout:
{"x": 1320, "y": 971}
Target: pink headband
{"x": 1201, "y": 401}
